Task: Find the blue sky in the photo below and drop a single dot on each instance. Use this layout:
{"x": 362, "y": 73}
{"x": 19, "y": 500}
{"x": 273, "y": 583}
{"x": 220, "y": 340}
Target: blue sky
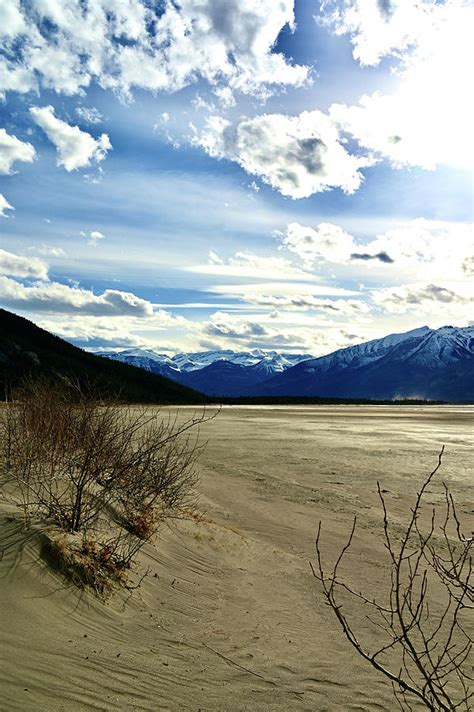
{"x": 236, "y": 173}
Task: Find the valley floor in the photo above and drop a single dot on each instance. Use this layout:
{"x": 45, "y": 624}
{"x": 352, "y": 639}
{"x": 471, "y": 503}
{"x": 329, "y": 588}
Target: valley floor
{"x": 229, "y": 617}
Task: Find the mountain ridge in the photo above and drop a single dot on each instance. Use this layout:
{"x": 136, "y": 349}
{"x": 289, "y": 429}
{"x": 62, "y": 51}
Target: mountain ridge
{"x": 431, "y": 364}
{"x": 423, "y": 363}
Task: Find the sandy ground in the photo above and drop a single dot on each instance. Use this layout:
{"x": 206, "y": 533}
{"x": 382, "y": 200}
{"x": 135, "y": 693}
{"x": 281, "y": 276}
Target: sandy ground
{"x": 229, "y": 617}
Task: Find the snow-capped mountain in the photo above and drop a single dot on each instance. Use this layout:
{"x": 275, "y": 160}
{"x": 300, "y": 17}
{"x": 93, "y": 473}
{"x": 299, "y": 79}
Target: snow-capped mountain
{"x": 137, "y": 354}
{"x": 423, "y": 363}
{"x": 148, "y": 360}
{"x": 274, "y": 362}
{"x": 432, "y": 364}
{"x": 200, "y": 359}
{"x": 266, "y": 361}
{"x": 219, "y": 373}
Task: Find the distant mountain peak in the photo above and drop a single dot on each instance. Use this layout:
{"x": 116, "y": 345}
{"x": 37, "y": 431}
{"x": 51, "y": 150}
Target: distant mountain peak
{"x": 436, "y": 364}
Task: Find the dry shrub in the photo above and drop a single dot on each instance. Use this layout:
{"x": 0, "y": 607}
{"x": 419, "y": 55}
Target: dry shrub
{"x": 107, "y": 472}
{"x": 86, "y": 564}
{"x": 423, "y": 624}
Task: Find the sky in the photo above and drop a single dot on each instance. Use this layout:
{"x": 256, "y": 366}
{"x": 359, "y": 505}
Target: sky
{"x": 185, "y": 175}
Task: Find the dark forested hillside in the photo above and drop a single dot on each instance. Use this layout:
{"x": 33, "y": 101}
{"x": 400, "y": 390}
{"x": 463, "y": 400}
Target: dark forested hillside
{"x": 28, "y": 351}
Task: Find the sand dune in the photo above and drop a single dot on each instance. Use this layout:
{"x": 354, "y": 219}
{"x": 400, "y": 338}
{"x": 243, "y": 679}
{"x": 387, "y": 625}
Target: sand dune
{"x": 229, "y": 616}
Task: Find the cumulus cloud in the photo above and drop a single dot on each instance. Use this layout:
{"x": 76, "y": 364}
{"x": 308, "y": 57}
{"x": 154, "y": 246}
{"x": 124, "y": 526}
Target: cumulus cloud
{"x": 11, "y": 150}
{"x": 75, "y": 148}
{"x": 93, "y": 332}
{"x": 11, "y": 19}
{"x": 102, "y": 332}
{"x": 122, "y": 45}
{"x": 378, "y": 28}
{"x": 54, "y": 297}
{"x": 328, "y": 242}
{"x": 224, "y": 330}
{"x": 404, "y": 297}
{"x": 19, "y": 266}
{"x": 436, "y": 303}
{"x": 224, "y": 325}
{"x": 15, "y": 77}
{"x": 427, "y": 119}
{"x": 430, "y": 249}
{"x": 297, "y": 155}
{"x": 425, "y": 249}
{"x": 4, "y": 206}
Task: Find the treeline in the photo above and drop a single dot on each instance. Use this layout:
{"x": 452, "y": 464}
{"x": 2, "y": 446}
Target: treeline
{"x": 312, "y": 400}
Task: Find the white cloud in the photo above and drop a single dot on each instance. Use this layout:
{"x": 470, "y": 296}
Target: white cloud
{"x": 328, "y": 242}
{"x": 379, "y": 27}
{"x": 66, "y": 46}
{"x": 307, "y": 302}
{"x": 225, "y": 97}
{"x": 439, "y": 304}
{"x": 418, "y": 249}
{"x": 19, "y": 266}
{"x": 4, "y": 206}
{"x": 75, "y": 148}
{"x": 228, "y": 326}
{"x": 91, "y": 331}
{"x": 429, "y": 249}
{"x": 271, "y": 331}
{"x": 427, "y": 120}
{"x": 224, "y": 41}
{"x": 89, "y": 114}
{"x": 247, "y": 264}
{"x": 50, "y": 251}
{"x": 250, "y": 291}
{"x": 11, "y": 19}
{"x": 11, "y": 150}
{"x": 420, "y": 294}
{"x": 93, "y": 237}
{"x": 54, "y": 297}
{"x": 297, "y": 155}
{"x": 97, "y": 331}
{"x": 15, "y": 78}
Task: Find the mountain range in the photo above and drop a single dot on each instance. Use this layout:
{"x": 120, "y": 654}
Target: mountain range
{"x": 422, "y": 364}
{"x": 218, "y": 373}
{"x": 427, "y": 364}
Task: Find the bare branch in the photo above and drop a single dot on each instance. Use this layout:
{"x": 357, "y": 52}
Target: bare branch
{"x": 429, "y": 590}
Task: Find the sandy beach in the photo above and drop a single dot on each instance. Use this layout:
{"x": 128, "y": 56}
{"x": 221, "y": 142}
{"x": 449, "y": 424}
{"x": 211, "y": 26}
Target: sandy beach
{"x": 229, "y": 617}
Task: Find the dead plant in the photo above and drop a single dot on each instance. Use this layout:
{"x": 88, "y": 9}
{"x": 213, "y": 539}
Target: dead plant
{"x": 425, "y": 645}
{"x": 108, "y": 472}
